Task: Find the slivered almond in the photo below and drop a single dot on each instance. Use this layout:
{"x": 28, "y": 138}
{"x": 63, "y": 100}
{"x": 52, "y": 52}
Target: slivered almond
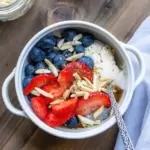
{"x": 44, "y": 93}
{"x": 51, "y": 67}
{"x": 71, "y": 49}
{"x": 41, "y": 71}
{"x": 56, "y": 48}
{"x": 76, "y": 76}
{"x": 104, "y": 83}
{"x": 87, "y": 121}
{"x": 76, "y": 43}
{"x": 86, "y": 95}
{"x": 73, "y": 95}
{"x": 77, "y": 37}
{"x": 86, "y": 89}
{"x": 98, "y": 112}
{"x": 111, "y": 112}
{"x": 56, "y": 102}
{"x": 95, "y": 82}
{"x": 75, "y": 57}
{"x": 88, "y": 81}
{"x": 66, "y": 45}
{"x": 36, "y": 93}
{"x": 60, "y": 43}
{"x": 66, "y": 94}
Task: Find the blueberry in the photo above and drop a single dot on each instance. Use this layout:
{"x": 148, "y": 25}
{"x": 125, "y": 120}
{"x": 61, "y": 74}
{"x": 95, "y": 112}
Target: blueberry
{"x": 26, "y": 81}
{"x": 72, "y": 123}
{"x": 79, "y": 48}
{"x": 40, "y": 65}
{"x": 67, "y": 53}
{"x": 51, "y": 56}
{"x": 87, "y": 40}
{"x": 88, "y": 61}
{"x": 59, "y": 61}
{"x": 29, "y": 70}
{"x": 105, "y": 114}
{"x": 47, "y": 42}
{"x": 37, "y": 54}
{"x": 69, "y": 34}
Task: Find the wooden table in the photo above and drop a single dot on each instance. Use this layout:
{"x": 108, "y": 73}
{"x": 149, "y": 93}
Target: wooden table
{"x": 120, "y": 17}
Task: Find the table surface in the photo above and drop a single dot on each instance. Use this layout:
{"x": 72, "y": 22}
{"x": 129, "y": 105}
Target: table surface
{"x": 120, "y": 17}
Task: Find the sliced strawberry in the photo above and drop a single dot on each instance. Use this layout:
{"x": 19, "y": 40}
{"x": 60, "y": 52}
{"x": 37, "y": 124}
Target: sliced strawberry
{"x": 39, "y": 105}
{"x": 94, "y": 101}
{"x": 39, "y": 81}
{"x": 65, "y": 107}
{"x": 56, "y": 91}
{"x": 66, "y": 78}
{"x": 55, "y": 121}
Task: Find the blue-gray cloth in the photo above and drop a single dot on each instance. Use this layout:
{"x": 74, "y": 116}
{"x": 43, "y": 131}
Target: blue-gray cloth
{"x": 137, "y": 116}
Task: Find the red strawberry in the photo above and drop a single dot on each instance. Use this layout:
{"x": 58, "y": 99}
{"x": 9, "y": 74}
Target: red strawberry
{"x": 66, "y": 78}
{"x": 39, "y": 81}
{"x": 65, "y": 107}
{"x": 56, "y": 91}
{"x": 94, "y": 101}
{"x": 39, "y": 105}
{"x": 55, "y": 121}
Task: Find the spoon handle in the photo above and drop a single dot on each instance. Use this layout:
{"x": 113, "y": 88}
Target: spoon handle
{"x": 122, "y": 127}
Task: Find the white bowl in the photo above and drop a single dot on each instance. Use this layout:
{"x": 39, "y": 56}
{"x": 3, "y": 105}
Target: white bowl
{"x": 100, "y": 34}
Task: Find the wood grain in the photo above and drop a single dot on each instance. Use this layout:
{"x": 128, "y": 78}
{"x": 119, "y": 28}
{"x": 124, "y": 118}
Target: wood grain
{"x": 120, "y": 17}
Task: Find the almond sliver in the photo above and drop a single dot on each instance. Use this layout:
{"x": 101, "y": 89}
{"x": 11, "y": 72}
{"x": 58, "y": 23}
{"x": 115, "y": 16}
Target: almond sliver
{"x": 60, "y": 43}
{"x": 76, "y": 43}
{"x": 75, "y": 57}
{"x": 85, "y": 120}
{"x": 44, "y": 93}
{"x": 88, "y": 81}
{"x": 36, "y": 93}
{"x": 77, "y": 37}
{"x": 56, "y": 102}
{"x": 51, "y": 67}
{"x": 42, "y": 71}
{"x": 86, "y": 89}
{"x": 76, "y": 76}
{"x": 98, "y": 112}
{"x": 66, "y": 45}
{"x": 71, "y": 49}
{"x": 66, "y": 94}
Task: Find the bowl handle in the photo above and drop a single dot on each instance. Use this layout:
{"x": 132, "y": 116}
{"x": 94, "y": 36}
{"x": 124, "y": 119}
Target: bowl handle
{"x": 6, "y": 98}
{"x": 137, "y": 53}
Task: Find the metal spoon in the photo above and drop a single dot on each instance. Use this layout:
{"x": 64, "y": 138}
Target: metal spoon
{"x": 122, "y": 127}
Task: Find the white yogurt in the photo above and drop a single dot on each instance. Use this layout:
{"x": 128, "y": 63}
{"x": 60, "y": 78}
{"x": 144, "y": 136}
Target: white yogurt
{"x": 105, "y": 62}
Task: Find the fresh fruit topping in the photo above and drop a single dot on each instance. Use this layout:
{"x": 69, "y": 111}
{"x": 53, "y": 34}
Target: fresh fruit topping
{"x": 67, "y": 53}
{"x": 55, "y": 91}
{"x": 40, "y": 65}
{"x": 59, "y": 61}
{"x": 47, "y": 42}
{"x": 65, "y": 107}
{"x": 29, "y": 70}
{"x": 37, "y": 54}
{"x": 75, "y": 57}
{"x": 66, "y": 78}
{"x": 39, "y": 107}
{"x": 52, "y": 67}
{"x": 26, "y": 81}
{"x": 87, "y": 40}
{"x": 72, "y": 123}
{"x": 69, "y": 34}
{"x": 39, "y": 81}
{"x": 79, "y": 48}
{"x": 55, "y": 121}
{"x": 105, "y": 114}
{"x": 88, "y": 61}
{"x": 94, "y": 101}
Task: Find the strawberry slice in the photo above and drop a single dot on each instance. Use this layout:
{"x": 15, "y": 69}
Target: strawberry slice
{"x": 39, "y": 81}
{"x": 55, "y": 121}
{"x": 94, "y": 101}
{"x": 66, "y": 78}
{"x": 39, "y": 106}
{"x": 56, "y": 91}
{"x": 65, "y": 107}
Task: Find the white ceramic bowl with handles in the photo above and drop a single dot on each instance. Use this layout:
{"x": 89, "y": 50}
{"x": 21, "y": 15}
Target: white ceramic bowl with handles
{"x": 122, "y": 59}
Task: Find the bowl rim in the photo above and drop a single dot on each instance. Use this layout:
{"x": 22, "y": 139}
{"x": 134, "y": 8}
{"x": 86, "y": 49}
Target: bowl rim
{"x": 54, "y": 131}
